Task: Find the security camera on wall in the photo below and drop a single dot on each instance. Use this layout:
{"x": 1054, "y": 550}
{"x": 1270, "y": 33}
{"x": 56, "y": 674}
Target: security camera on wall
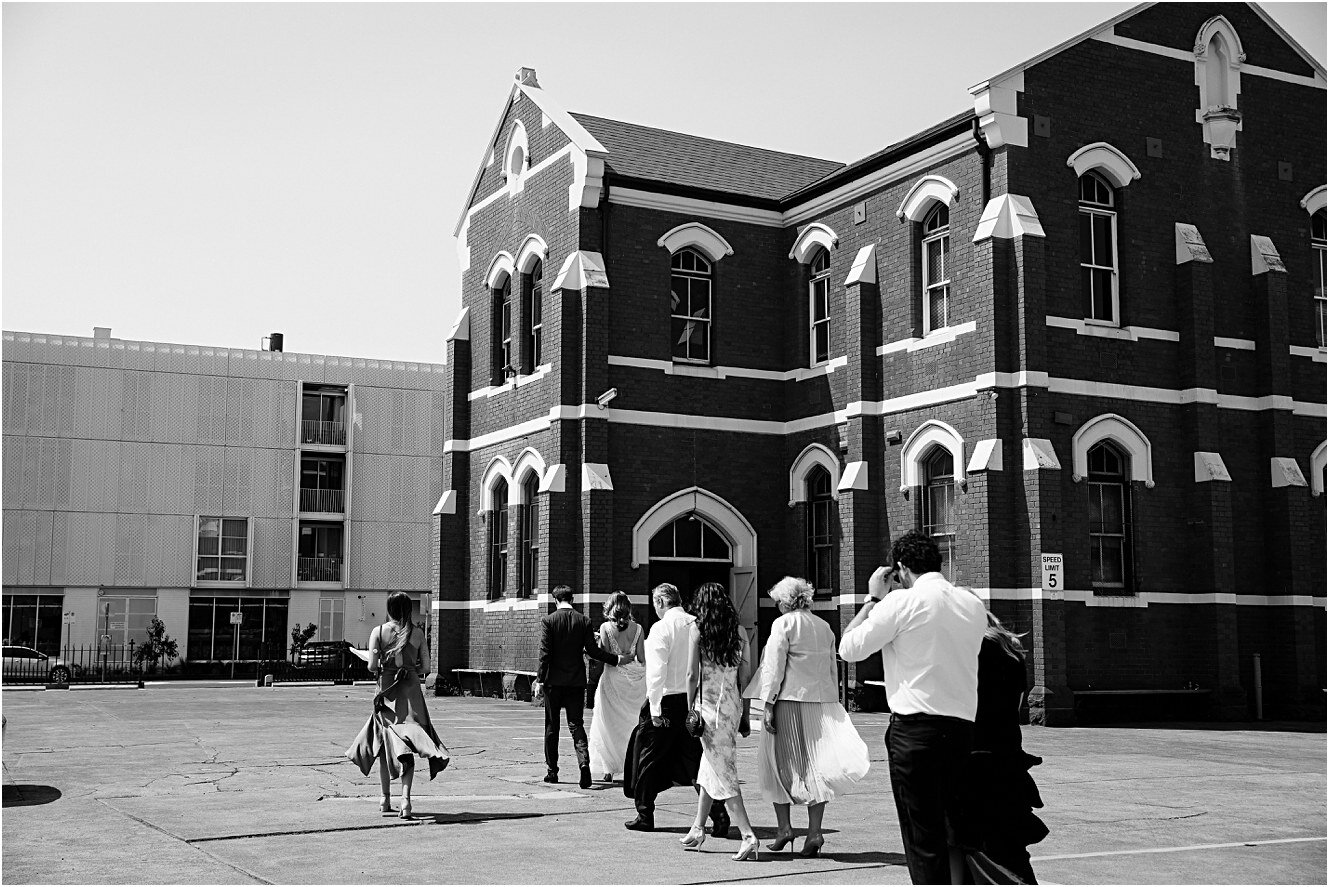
{"x": 603, "y": 400}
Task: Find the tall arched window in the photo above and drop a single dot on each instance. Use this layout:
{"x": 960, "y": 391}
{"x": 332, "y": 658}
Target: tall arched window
{"x": 535, "y": 317}
{"x": 938, "y": 504}
{"x": 936, "y": 268}
{"x": 498, "y": 541}
{"x": 1098, "y": 249}
{"x": 502, "y": 361}
{"x": 819, "y": 309}
{"x": 690, "y": 292}
{"x": 1322, "y": 269}
{"x": 1109, "y": 517}
{"x": 820, "y": 531}
{"x": 530, "y": 536}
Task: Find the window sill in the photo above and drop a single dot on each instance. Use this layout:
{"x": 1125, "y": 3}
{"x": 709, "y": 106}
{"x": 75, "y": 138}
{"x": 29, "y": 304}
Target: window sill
{"x": 940, "y": 336}
{"x": 510, "y": 604}
{"x": 517, "y": 381}
{"x": 219, "y": 583}
{"x": 1104, "y": 330}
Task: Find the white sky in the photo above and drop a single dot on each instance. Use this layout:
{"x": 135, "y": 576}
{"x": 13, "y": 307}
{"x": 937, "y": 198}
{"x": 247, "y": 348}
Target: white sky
{"x": 209, "y": 173}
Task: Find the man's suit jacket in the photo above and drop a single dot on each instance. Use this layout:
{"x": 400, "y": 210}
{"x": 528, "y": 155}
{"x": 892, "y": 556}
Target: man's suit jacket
{"x": 567, "y": 636}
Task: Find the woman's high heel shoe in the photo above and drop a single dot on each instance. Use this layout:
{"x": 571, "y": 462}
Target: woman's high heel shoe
{"x": 780, "y": 841}
{"x": 405, "y": 810}
{"x": 749, "y": 849}
{"x": 693, "y": 839}
{"x": 385, "y": 806}
{"x": 812, "y": 846}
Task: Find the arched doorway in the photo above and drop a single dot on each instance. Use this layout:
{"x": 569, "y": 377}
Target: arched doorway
{"x": 694, "y": 536}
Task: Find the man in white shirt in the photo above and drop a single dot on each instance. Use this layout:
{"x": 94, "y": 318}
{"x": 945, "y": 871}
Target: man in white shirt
{"x": 929, "y": 633}
{"x": 661, "y": 738}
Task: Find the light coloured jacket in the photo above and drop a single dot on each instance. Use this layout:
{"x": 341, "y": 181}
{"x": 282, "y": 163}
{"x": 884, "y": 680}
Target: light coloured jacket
{"x": 798, "y": 663}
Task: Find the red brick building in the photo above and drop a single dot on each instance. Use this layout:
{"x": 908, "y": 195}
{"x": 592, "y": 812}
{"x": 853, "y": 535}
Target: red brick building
{"x": 1084, "y": 319}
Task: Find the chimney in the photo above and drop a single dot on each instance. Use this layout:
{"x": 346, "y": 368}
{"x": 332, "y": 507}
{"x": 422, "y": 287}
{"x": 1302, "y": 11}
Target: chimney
{"x": 273, "y": 342}
{"x": 526, "y": 77}
{"x": 101, "y": 332}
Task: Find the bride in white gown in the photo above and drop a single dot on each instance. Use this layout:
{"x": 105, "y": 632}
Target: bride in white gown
{"x": 622, "y": 690}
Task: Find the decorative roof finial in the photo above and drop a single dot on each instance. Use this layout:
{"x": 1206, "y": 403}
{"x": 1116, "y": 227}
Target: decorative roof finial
{"x": 526, "y": 77}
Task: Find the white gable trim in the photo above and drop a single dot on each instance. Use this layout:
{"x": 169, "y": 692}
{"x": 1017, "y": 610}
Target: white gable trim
{"x": 810, "y": 238}
{"x": 1125, "y": 434}
{"x": 812, "y": 455}
{"x": 931, "y": 432}
{"x": 1108, "y": 159}
{"x": 697, "y": 235}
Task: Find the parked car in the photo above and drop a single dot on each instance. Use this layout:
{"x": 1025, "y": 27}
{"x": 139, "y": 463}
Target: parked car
{"x": 25, "y": 663}
{"x": 332, "y": 654}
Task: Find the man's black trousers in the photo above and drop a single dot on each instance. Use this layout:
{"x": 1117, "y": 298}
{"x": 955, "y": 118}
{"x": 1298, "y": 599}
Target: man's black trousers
{"x": 927, "y": 755}
{"x": 573, "y": 701}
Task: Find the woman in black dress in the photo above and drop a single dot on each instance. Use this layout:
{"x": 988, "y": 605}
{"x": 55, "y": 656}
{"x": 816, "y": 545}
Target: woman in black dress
{"x": 1003, "y": 794}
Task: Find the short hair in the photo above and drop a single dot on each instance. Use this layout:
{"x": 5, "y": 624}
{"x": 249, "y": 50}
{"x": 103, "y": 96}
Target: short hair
{"x": 917, "y": 551}
{"x": 794, "y": 593}
{"x": 399, "y": 607}
{"x": 667, "y": 593}
{"x": 616, "y": 605}
{"x": 563, "y": 593}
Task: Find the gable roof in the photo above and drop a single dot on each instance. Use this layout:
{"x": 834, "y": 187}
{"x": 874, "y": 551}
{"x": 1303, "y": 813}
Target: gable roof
{"x": 662, "y": 157}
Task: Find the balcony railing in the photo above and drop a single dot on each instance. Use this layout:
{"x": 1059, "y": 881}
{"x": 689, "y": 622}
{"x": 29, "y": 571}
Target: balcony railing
{"x": 325, "y": 501}
{"x": 330, "y": 433}
{"x": 318, "y": 569}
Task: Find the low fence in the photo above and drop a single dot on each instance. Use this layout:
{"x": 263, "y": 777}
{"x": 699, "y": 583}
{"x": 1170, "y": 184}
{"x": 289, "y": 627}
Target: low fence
{"x": 95, "y": 664}
{"x": 339, "y": 666}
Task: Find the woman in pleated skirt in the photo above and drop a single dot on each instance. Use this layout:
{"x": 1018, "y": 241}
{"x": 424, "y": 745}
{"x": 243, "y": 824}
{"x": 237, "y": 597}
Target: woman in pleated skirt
{"x": 810, "y": 750}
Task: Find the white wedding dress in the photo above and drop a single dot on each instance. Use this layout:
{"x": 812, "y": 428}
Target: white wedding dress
{"x": 618, "y": 702}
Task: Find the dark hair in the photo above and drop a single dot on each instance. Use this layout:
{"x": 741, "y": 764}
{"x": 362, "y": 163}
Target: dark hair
{"x": 917, "y": 551}
{"x": 717, "y": 623}
{"x": 399, "y": 607}
{"x": 617, "y": 605}
{"x": 669, "y": 593}
{"x": 563, "y": 593}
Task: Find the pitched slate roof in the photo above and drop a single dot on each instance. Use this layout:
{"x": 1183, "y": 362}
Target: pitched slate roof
{"x": 686, "y": 161}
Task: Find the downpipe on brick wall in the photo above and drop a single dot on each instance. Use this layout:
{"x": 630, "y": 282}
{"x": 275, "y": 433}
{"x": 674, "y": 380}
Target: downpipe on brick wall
{"x": 985, "y": 157}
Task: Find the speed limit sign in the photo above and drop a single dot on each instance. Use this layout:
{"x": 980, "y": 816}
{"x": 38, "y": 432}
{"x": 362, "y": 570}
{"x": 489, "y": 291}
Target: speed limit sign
{"x": 1053, "y": 577}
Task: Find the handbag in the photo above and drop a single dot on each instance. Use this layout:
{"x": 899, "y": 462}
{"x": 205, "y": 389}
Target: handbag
{"x": 693, "y": 723}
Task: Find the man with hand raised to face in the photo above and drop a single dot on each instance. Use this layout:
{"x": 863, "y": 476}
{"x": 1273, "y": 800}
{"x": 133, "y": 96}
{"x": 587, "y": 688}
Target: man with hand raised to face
{"x": 929, "y": 633}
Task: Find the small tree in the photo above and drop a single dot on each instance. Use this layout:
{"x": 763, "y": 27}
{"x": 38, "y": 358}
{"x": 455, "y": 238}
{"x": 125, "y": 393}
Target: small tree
{"x": 300, "y": 637}
{"x": 158, "y": 647}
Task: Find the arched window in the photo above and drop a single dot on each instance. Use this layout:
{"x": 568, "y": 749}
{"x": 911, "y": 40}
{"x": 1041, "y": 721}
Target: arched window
{"x": 1098, "y": 249}
{"x": 690, "y": 283}
{"x": 936, "y": 270}
{"x": 498, "y": 540}
{"x": 535, "y": 316}
{"x": 1109, "y": 517}
{"x": 1319, "y": 247}
{"x": 820, "y": 531}
{"x": 502, "y": 360}
{"x": 938, "y": 504}
{"x": 819, "y": 308}
{"x": 530, "y": 536}
{"x": 690, "y": 538}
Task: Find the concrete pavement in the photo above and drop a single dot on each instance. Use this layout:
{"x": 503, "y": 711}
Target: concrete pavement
{"x": 234, "y": 784}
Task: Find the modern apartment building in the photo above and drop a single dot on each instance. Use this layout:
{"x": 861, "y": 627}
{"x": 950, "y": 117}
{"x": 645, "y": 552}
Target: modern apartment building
{"x": 187, "y": 482}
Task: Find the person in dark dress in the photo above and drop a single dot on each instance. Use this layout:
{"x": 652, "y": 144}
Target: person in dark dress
{"x": 1001, "y": 792}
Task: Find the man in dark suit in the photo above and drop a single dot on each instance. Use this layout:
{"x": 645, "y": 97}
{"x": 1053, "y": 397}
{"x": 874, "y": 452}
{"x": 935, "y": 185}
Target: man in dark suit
{"x": 565, "y": 638}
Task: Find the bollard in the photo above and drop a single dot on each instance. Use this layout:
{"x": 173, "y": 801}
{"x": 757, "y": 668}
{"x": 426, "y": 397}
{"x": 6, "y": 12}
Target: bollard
{"x": 267, "y": 680}
{"x": 1259, "y": 690}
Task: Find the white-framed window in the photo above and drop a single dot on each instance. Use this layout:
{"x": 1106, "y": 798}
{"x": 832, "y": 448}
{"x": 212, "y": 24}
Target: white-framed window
{"x": 331, "y": 618}
{"x": 1098, "y": 249}
{"x": 498, "y": 541}
{"x": 690, "y": 304}
{"x": 819, "y": 309}
{"x": 1109, "y": 517}
{"x": 530, "y": 536}
{"x": 936, "y": 268}
{"x": 126, "y": 619}
{"x": 535, "y": 317}
{"x": 502, "y": 359}
{"x": 937, "y": 504}
{"x": 821, "y": 562}
{"x": 222, "y": 550}
{"x": 1318, "y": 245}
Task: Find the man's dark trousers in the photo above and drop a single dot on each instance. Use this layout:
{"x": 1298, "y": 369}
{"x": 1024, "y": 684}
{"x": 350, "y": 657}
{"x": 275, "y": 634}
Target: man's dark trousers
{"x": 664, "y": 754}
{"x": 927, "y": 754}
{"x": 573, "y": 701}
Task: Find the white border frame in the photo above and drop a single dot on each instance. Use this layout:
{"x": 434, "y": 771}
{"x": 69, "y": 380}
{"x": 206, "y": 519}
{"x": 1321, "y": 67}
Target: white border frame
{"x": 501, "y": 266}
{"x": 705, "y": 240}
{"x": 740, "y": 534}
{"x": 1123, "y": 432}
{"x": 1108, "y": 159}
{"x": 923, "y": 193}
{"x": 1318, "y": 461}
{"x": 529, "y": 460}
{"x": 498, "y": 468}
{"x": 813, "y": 454}
{"x": 931, "y": 432}
{"x": 516, "y": 141}
{"x": 814, "y": 235}
{"x": 533, "y": 248}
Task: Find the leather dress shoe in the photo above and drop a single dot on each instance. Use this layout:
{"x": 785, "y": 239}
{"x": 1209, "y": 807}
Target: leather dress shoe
{"x": 640, "y": 824}
{"x": 720, "y": 826}
{"x": 585, "y": 777}
{"x": 551, "y": 776}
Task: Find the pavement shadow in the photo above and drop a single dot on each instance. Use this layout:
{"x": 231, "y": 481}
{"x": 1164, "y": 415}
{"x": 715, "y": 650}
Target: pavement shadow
{"x": 30, "y": 795}
{"x": 866, "y": 857}
{"x": 472, "y": 818}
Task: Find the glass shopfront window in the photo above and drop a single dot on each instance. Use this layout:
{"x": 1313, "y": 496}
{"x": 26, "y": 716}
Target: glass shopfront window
{"x": 33, "y": 620}
{"x": 212, "y": 636}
